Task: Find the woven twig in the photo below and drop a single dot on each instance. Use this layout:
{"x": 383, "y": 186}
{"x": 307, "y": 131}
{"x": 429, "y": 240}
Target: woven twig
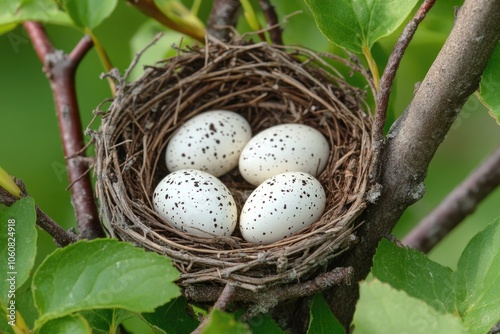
{"x": 268, "y": 85}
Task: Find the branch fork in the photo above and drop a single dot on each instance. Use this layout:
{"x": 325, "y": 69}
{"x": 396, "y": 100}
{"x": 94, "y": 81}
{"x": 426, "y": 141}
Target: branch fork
{"x": 60, "y": 69}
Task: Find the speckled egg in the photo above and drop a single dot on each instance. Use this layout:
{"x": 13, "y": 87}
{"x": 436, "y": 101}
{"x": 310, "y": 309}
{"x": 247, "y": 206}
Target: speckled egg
{"x": 282, "y": 206}
{"x": 196, "y": 202}
{"x": 284, "y": 148}
{"x": 211, "y": 141}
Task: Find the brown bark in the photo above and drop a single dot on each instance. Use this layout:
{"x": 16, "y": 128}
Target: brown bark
{"x": 416, "y": 135}
{"x": 60, "y": 69}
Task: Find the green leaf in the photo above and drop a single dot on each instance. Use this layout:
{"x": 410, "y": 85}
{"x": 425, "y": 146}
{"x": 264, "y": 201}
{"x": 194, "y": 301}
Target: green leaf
{"x": 74, "y": 324}
{"x": 358, "y": 24}
{"x": 102, "y": 273}
{"x": 5, "y": 327}
{"x": 17, "y": 245}
{"x": 26, "y": 305}
{"x": 264, "y": 324}
{"x": 477, "y": 280}
{"x": 412, "y": 271}
{"x": 106, "y": 320}
{"x": 222, "y": 322}
{"x": 490, "y": 85}
{"x": 89, "y": 13}
{"x": 381, "y": 309}
{"x": 172, "y": 317}
{"x": 322, "y": 319}
{"x": 13, "y": 12}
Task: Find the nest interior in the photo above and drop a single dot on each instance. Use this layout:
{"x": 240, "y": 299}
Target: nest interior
{"x": 268, "y": 85}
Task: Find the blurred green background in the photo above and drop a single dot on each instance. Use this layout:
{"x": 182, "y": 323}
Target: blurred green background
{"x": 31, "y": 149}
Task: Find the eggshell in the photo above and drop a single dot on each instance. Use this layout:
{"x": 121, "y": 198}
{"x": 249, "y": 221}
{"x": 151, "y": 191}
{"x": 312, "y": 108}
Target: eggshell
{"x": 211, "y": 141}
{"x": 196, "y": 202}
{"x": 282, "y": 206}
{"x": 284, "y": 148}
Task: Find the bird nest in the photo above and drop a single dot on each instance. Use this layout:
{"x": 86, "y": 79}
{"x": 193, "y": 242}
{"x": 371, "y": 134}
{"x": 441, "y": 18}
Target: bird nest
{"x": 268, "y": 85}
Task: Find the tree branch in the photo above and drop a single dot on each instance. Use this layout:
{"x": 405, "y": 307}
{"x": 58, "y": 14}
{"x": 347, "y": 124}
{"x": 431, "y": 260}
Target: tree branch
{"x": 222, "y": 303}
{"x": 416, "y": 135}
{"x": 60, "y": 235}
{"x": 263, "y": 301}
{"x": 460, "y": 203}
{"x": 387, "y": 79}
{"x": 272, "y": 22}
{"x": 224, "y": 14}
{"x": 60, "y": 70}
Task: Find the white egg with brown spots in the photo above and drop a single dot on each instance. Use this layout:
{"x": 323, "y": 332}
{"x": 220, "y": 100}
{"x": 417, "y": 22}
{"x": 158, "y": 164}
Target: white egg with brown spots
{"x": 284, "y": 148}
{"x": 196, "y": 202}
{"x": 282, "y": 206}
{"x": 211, "y": 141}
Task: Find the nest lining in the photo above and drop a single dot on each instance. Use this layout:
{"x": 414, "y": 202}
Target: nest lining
{"x": 268, "y": 85}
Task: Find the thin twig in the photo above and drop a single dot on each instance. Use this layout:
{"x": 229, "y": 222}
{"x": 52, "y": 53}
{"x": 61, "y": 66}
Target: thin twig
{"x": 461, "y": 202}
{"x": 386, "y": 81}
{"x": 60, "y": 70}
{"x": 81, "y": 49}
{"x": 272, "y": 22}
{"x": 139, "y": 54}
{"x": 225, "y": 297}
{"x": 60, "y": 235}
{"x": 224, "y": 14}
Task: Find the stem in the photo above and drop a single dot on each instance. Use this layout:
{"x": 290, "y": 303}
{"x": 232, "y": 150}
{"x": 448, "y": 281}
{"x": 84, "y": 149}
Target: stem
{"x": 103, "y": 56}
{"x": 387, "y": 79}
{"x": 149, "y": 8}
{"x": 60, "y": 70}
{"x": 251, "y": 18}
{"x": 372, "y": 64}
{"x": 461, "y": 202}
{"x": 7, "y": 183}
{"x": 195, "y": 8}
{"x": 416, "y": 135}
{"x": 272, "y": 22}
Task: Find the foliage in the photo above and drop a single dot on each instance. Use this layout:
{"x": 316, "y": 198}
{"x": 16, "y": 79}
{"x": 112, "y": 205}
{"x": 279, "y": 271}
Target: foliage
{"x": 322, "y": 319}
{"x": 357, "y": 25}
{"x": 94, "y": 286}
{"x": 17, "y": 243}
{"x": 490, "y": 85}
{"x": 471, "y": 293}
{"x": 89, "y": 284}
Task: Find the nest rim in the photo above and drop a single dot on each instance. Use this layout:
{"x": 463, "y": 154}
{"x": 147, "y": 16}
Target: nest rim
{"x": 235, "y": 261}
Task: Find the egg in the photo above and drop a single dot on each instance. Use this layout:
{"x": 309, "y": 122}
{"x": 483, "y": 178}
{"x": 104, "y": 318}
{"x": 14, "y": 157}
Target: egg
{"x": 284, "y": 148}
{"x": 281, "y": 206}
{"x": 211, "y": 141}
{"x": 196, "y": 202}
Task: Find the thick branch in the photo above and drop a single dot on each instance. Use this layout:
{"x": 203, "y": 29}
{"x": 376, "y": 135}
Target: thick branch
{"x": 60, "y": 70}
{"x": 224, "y": 14}
{"x": 387, "y": 80}
{"x": 262, "y": 301}
{"x": 460, "y": 203}
{"x": 416, "y": 135}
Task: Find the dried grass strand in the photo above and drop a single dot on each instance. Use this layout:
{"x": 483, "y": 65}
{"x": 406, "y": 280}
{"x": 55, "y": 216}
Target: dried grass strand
{"x": 268, "y": 85}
